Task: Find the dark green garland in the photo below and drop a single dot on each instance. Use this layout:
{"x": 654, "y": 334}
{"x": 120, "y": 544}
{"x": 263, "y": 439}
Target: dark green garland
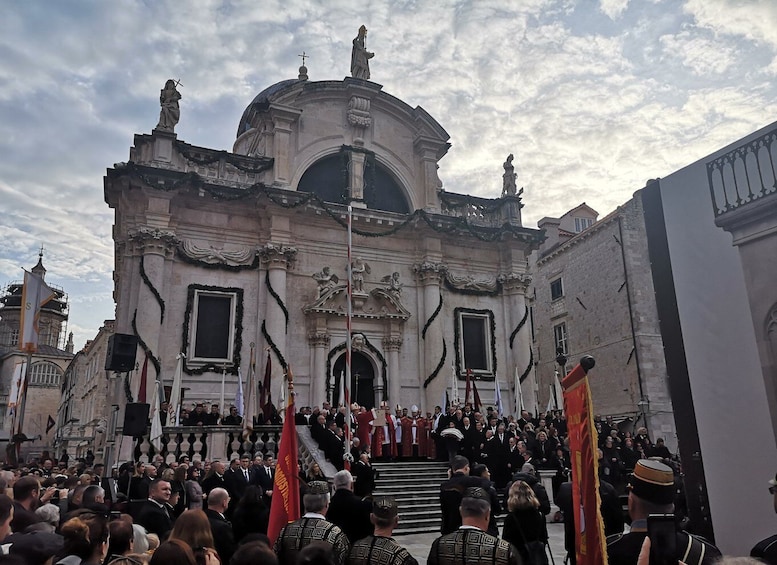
{"x": 274, "y": 347}
{"x": 372, "y": 348}
{"x": 519, "y": 326}
{"x": 232, "y": 159}
{"x": 153, "y": 290}
{"x": 472, "y": 291}
{"x": 431, "y": 318}
{"x": 127, "y": 388}
{"x": 221, "y": 266}
{"x": 482, "y": 204}
{"x": 238, "y": 329}
{"x": 456, "y": 335}
{"x": 487, "y": 234}
{"x": 146, "y": 349}
{"x": 528, "y": 368}
{"x": 277, "y": 298}
{"x": 437, "y": 369}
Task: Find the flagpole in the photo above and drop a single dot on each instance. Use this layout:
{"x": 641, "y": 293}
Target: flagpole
{"x": 348, "y": 322}
{"x": 23, "y": 393}
{"x": 223, "y": 382}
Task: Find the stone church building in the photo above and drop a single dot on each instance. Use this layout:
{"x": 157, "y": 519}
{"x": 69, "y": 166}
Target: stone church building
{"x": 217, "y": 251}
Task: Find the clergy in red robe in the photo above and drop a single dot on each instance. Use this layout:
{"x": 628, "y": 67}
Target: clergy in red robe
{"x": 364, "y": 426}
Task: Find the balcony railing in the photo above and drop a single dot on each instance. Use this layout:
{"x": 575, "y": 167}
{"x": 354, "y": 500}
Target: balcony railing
{"x": 209, "y": 442}
{"x": 744, "y": 174}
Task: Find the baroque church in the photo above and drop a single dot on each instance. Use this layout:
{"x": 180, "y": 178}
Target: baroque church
{"x": 231, "y": 257}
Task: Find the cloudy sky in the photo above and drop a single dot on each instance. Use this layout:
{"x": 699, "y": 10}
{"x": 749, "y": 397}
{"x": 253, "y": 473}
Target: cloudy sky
{"x": 592, "y": 97}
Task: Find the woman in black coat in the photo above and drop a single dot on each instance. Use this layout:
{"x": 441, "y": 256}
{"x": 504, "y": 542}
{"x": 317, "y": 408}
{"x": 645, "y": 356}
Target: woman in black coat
{"x": 251, "y": 514}
{"x": 524, "y": 526}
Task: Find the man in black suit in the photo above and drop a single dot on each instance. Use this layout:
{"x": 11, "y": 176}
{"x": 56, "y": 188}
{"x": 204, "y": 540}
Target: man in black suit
{"x": 238, "y": 479}
{"x": 223, "y": 538}
{"x": 264, "y": 476}
{"x": 154, "y": 515}
{"x": 348, "y": 511}
{"x": 214, "y": 478}
{"x": 452, "y": 491}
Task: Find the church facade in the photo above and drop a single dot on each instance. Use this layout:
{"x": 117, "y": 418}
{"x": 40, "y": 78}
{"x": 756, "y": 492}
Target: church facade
{"x": 228, "y": 257}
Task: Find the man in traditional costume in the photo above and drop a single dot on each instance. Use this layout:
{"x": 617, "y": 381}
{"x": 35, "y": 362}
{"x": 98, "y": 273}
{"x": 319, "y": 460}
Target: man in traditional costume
{"x": 380, "y": 548}
{"x": 313, "y": 526}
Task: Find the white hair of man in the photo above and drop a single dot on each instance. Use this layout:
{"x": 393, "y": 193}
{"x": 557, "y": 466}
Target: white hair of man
{"x": 343, "y": 480}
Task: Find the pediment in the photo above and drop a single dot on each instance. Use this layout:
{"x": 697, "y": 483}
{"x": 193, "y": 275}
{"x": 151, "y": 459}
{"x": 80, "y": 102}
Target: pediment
{"x": 379, "y": 304}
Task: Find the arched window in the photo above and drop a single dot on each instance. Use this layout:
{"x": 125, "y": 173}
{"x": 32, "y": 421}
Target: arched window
{"x": 45, "y": 373}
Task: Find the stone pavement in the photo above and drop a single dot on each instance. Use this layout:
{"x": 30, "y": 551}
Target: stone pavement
{"x": 418, "y": 544}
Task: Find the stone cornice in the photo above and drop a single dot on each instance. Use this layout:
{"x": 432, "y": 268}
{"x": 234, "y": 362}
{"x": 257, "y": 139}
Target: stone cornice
{"x": 153, "y": 240}
{"x": 276, "y": 255}
{"x": 430, "y": 272}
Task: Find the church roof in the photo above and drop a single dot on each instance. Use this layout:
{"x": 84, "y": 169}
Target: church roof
{"x": 260, "y": 101}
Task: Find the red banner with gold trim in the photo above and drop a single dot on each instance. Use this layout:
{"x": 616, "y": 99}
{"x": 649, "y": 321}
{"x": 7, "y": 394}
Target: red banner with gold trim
{"x": 590, "y": 542}
{"x": 285, "y": 495}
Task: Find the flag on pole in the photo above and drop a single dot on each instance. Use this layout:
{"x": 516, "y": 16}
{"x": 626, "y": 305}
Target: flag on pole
{"x": 174, "y": 405}
{"x": 35, "y": 294}
{"x": 143, "y": 376}
{"x": 558, "y": 397}
{"x": 266, "y": 395}
{"x": 518, "y": 394}
{"x": 498, "y": 398}
{"x": 590, "y": 545}
{"x": 16, "y": 388}
{"x": 251, "y": 398}
{"x": 468, "y": 387}
{"x": 549, "y": 407}
{"x": 477, "y": 405}
{"x": 239, "y": 401}
{"x": 285, "y": 506}
{"x": 155, "y": 435}
{"x": 50, "y": 423}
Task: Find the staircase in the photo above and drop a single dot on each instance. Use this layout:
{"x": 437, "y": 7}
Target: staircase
{"x": 416, "y": 487}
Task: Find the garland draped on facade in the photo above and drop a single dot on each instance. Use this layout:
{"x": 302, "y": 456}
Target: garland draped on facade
{"x": 519, "y": 326}
{"x": 431, "y": 318}
{"x": 439, "y": 366}
{"x": 144, "y": 346}
{"x": 271, "y": 344}
{"x": 277, "y": 298}
{"x": 153, "y": 290}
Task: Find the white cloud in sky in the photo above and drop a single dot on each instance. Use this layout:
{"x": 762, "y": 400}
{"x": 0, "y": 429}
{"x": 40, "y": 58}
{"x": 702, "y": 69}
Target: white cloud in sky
{"x": 592, "y": 98}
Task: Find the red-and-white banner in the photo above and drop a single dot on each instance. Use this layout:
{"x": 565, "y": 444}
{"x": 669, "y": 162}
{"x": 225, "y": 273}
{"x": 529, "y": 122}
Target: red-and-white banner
{"x": 35, "y": 294}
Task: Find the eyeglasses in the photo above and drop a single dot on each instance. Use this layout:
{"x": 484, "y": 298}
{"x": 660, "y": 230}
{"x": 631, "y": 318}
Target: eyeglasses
{"x": 773, "y": 489}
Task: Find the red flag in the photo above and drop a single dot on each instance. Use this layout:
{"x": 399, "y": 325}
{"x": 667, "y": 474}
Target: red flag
{"x": 467, "y": 389}
{"x": 477, "y": 405}
{"x": 285, "y": 505}
{"x": 590, "y": 544}
{"x": 143, "y": 375}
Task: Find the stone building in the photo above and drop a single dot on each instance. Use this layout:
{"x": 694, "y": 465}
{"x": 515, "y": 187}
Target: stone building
{"x": 592, "y": 294}
{"x": 84, "y": 414}
{"x": 46, "y": 367}
{"x": 216, "y": 251}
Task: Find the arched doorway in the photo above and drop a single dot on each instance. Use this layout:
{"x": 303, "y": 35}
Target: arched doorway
{"x": 362, "y": 379}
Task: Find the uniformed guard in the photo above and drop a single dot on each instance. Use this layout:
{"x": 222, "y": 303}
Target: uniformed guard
{"x": 651, "y": 491}
{"x": 380, "y": 548}
{"x": 313, "y": 526}
{"x": 470, "y": 543}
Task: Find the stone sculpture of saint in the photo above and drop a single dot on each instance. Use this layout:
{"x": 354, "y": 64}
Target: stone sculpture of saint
{"x": 326, "y": 281}
{"x": 508, "y": 178}
{"x": 360, "y": 57}
{"x": 358, "y": 268}
{"x": 170, "y": 113}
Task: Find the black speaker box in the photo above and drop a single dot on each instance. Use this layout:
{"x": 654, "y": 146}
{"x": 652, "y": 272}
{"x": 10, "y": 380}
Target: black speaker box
{"x": 121, "y": 352}
{"x": 135, "y": 419}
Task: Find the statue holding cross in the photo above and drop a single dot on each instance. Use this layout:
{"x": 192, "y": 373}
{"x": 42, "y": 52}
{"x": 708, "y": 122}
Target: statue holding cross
{"x": 170, "y": 112}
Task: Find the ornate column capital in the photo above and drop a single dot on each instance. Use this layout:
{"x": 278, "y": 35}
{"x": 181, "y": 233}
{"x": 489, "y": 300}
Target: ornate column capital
{"x": 318, "y": 338}
{"x": 515, "y": 281}
{"x": 153, "y": 240}
{"x": 393, "y": 343}
{"x": 277, "y": 256}
{"x": 429, "y": 272}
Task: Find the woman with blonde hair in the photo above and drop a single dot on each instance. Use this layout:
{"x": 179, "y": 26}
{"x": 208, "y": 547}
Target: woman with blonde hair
{"x": 524, "y": 526}
{"x": 193, "y": 528}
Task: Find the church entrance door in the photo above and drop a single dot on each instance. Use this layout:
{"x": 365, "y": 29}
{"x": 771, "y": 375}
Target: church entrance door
{"x": 362, "y": 378}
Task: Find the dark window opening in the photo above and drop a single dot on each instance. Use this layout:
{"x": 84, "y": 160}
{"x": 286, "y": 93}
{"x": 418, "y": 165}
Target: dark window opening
{"x": 556, "y": 289}
{"x": 214, "y": 316}
{"x": 475, "y": 334}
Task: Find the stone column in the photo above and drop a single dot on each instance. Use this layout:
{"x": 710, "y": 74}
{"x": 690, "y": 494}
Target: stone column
{"x": 392, "y": 345}
{"x": 319, "y": 343}
{"x": 276, "y": 259}
{"x": 428, "y": 152}
{"x": 429, "y": 275}
{"x": 284, "y": 118}
{"x": 514, "y": 287}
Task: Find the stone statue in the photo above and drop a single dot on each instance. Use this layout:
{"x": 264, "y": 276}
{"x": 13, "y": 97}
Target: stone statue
{"x": 360, "y": 57}
{"x": 508, "y": 178}
{"x": 170, "y": 113}
{"x": 392, "y": 283}
{"x": 326, "y": 281}
{"x": 358, "y": 268}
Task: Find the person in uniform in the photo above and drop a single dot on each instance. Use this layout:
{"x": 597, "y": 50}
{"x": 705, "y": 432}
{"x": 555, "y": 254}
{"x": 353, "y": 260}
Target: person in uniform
{"x": 471, "y": 537}
{"x": 380, "y": 548}
{"x": 651, "y": 491}
{"x": 313, "y": 526}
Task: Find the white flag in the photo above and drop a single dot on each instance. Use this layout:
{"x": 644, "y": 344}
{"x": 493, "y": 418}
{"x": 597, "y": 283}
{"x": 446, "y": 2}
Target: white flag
{"x": 498, "y": 398}
{"x": 239, "y": 402}
{"x": 155, "y": 436}
{"x": 559, "y": 391}
{"x": 35, "y": 294}
{"x": 550, "y": 400}
{"x": 174, "y": 405}
{"x": 518, "y": 394}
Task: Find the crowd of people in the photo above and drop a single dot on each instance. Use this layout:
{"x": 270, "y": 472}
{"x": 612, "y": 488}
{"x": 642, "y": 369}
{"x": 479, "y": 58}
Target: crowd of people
{"x": 191, "y": 512}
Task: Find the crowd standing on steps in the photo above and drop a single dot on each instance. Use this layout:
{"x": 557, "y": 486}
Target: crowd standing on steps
{"x": 196, "y": 511}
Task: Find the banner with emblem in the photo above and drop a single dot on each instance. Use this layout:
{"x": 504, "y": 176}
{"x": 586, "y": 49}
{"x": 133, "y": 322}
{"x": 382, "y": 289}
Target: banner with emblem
{"x": 590, "y": 542}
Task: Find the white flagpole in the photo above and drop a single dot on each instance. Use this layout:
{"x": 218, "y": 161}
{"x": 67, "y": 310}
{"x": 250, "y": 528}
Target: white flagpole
{"x": 348, "y": 329}
{"x": 174, "y": 404}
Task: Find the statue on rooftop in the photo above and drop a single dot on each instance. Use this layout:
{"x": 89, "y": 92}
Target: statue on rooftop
{"x": 170, "y": 112}
{"x": 508, "y": 178}
{"x": 360, "y": 57}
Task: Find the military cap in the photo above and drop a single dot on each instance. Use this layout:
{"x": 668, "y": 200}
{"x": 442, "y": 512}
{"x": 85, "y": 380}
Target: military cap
{"x": 318, "y": 487}
{"x": 385, "y": 507}
{"x": 653, "y": 481}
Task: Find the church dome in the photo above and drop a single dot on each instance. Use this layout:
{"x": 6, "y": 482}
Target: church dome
{"x": 260, "y": 102}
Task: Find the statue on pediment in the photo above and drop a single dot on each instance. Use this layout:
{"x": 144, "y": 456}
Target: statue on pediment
{"x": 360, "y": 57}
{"x": 358, "y": 268}
{"x": 392, "y": 283}
{"x": 170, "y": 112}
{"x": 509, "y": 176}
{"x": 326, "y": 280}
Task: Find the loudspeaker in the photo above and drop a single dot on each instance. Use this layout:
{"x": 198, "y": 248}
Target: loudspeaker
{"x": 121, "y": 352}
{"x": 135, "y": 419}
